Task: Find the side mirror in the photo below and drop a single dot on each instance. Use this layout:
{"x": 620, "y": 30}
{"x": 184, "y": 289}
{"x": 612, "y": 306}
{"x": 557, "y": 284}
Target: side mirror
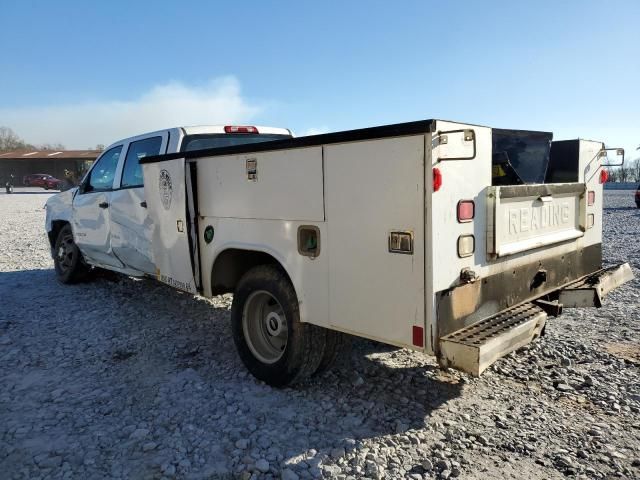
{"x": 84, "y": 186}
{"x": 618, "y": 153}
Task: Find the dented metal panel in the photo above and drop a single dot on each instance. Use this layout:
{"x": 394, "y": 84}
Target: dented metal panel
{"x": 165, "y": 190}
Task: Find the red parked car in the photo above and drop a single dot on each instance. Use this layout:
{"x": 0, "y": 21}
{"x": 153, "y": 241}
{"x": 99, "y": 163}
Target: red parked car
{"x": 43, "y": 180}
{"x": 30, "y": 180}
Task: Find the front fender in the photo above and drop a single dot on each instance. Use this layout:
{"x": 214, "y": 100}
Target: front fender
{"x": 59, "y": 207}
{"x": 58, "y": 210}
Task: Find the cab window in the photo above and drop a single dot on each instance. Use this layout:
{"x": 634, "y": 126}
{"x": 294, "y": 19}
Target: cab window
{"x": 132, "y": 172}
{"x": 104, "y": 171}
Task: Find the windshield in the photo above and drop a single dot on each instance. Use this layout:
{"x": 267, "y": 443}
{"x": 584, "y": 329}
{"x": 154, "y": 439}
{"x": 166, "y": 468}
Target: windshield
{"x": 217, "y": 140}
{"x": 520, "y": 156}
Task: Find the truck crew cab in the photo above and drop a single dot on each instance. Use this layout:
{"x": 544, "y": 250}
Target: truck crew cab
{"x": 451, "y": 239}
{"x": 104, "y": 222}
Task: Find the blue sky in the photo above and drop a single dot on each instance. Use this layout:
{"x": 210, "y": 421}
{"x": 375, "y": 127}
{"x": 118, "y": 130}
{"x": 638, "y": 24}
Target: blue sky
{"x": 83, "y": 73}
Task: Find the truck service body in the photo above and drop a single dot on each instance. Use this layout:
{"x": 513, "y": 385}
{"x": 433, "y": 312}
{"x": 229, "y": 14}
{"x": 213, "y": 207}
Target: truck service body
{"x": 452, "y": 239}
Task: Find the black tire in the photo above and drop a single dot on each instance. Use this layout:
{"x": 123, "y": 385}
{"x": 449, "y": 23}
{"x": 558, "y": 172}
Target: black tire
{"x": 303, "y": 349}
{"x": 337, "y": 346}
{"x": 68, "y": 262}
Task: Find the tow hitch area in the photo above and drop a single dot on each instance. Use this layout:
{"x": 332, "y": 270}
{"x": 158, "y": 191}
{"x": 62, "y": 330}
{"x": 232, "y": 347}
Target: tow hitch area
{"x": 591, "y": 290}
{"x": 475, "y": 347}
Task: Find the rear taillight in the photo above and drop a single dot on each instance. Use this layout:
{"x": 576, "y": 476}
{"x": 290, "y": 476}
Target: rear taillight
{"x": 591, "y": 197}
{"x": 466, "y": 210}
{"x": 604, "y": 176}
{"x": 240, "y": 129}
{"x": 418, "y": 336}
{"x": 437, "y": 179}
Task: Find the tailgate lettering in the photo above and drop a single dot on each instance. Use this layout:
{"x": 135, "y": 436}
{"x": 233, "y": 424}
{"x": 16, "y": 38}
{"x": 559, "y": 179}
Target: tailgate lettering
{"x": 527, "y": 219}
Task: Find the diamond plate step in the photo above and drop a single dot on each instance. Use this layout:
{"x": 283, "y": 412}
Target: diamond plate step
{"x": 475, "y": 347}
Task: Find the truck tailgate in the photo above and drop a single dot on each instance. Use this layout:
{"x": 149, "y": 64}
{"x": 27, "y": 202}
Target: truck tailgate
{"x": 524, "y": 217}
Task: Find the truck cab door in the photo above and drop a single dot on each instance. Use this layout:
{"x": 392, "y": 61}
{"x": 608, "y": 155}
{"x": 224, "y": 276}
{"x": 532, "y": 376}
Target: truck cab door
{"x": 91, "y": 210}
{"x": 131, "y": 225}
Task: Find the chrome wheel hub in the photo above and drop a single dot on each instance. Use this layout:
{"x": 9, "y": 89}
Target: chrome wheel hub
{"x": 264, "y": 325}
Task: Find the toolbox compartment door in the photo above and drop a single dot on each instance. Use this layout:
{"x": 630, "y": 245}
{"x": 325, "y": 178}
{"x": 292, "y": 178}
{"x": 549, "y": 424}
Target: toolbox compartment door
{"x": 525, "y": 217}
{"x": 166, "y": 191}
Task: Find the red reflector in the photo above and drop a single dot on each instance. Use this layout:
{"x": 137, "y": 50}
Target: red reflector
{"x": 604, "y": 176}
{"x": 240, "y": 129}
{"x": 418, "y": 336}
{"x": 591, "y": 197}
{"x": 437, "y": 179}
{"x": 466, "y": 210}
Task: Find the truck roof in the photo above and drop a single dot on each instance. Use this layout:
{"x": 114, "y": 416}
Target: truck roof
{"x": 200, "y": 129}
{"x": 398, "y": 129}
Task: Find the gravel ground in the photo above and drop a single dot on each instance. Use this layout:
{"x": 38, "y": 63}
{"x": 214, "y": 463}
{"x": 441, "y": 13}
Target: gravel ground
{"x": 123, "y": 378}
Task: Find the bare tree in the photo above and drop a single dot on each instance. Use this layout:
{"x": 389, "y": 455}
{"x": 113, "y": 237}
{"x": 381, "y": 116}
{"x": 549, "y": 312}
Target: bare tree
{"x": 50, "y": 146}
{"x": 634, "y": 166}
{"x": 10, "y": 141}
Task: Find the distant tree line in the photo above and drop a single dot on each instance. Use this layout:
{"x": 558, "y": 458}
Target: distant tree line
{"x": 9, "y": 140}
{"x": 627, "y": 173}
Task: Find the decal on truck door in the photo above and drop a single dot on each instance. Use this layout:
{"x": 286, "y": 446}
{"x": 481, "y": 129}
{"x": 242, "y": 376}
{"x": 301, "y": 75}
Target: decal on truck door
{"x": 166, "y": 189}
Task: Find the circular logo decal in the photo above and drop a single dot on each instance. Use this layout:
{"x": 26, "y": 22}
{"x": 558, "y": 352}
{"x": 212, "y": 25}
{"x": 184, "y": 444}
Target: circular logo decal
{"x": 166, "y": 189}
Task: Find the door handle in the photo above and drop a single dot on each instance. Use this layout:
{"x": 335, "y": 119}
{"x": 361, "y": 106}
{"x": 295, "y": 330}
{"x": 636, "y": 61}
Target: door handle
{"x": 103, "y": 205}
{"x": 143, "y": 204}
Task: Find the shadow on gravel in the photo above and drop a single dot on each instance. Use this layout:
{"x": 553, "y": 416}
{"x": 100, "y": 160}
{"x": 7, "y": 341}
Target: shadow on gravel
{"x": 614, "y": 209}
{"x": 24, "y": 279}
{"x": 168, "y": 360}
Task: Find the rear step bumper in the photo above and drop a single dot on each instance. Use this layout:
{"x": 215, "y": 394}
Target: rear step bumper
{"x": 474, "y": 348}
{"x": 589, "y": 291}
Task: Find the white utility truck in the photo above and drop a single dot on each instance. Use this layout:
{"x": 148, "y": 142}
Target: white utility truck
{"x": 451, "y": 239}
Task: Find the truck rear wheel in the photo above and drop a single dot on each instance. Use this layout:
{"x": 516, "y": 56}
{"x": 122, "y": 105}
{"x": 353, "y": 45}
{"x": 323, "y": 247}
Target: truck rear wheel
{"x": 272, "y": 342}
{"x": 67, "y": 260}
{"x": 337, "y": 346}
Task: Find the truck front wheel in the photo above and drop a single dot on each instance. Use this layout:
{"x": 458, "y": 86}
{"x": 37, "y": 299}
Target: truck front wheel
{"x": 272, "y": 342}
{"x": 67, "y": 259}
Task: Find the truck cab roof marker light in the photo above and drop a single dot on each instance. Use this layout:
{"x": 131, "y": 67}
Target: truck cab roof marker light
{"x": 240, "y": 129}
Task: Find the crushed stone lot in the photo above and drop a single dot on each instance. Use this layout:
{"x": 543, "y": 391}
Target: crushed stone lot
{"x": 125, "y": 378}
